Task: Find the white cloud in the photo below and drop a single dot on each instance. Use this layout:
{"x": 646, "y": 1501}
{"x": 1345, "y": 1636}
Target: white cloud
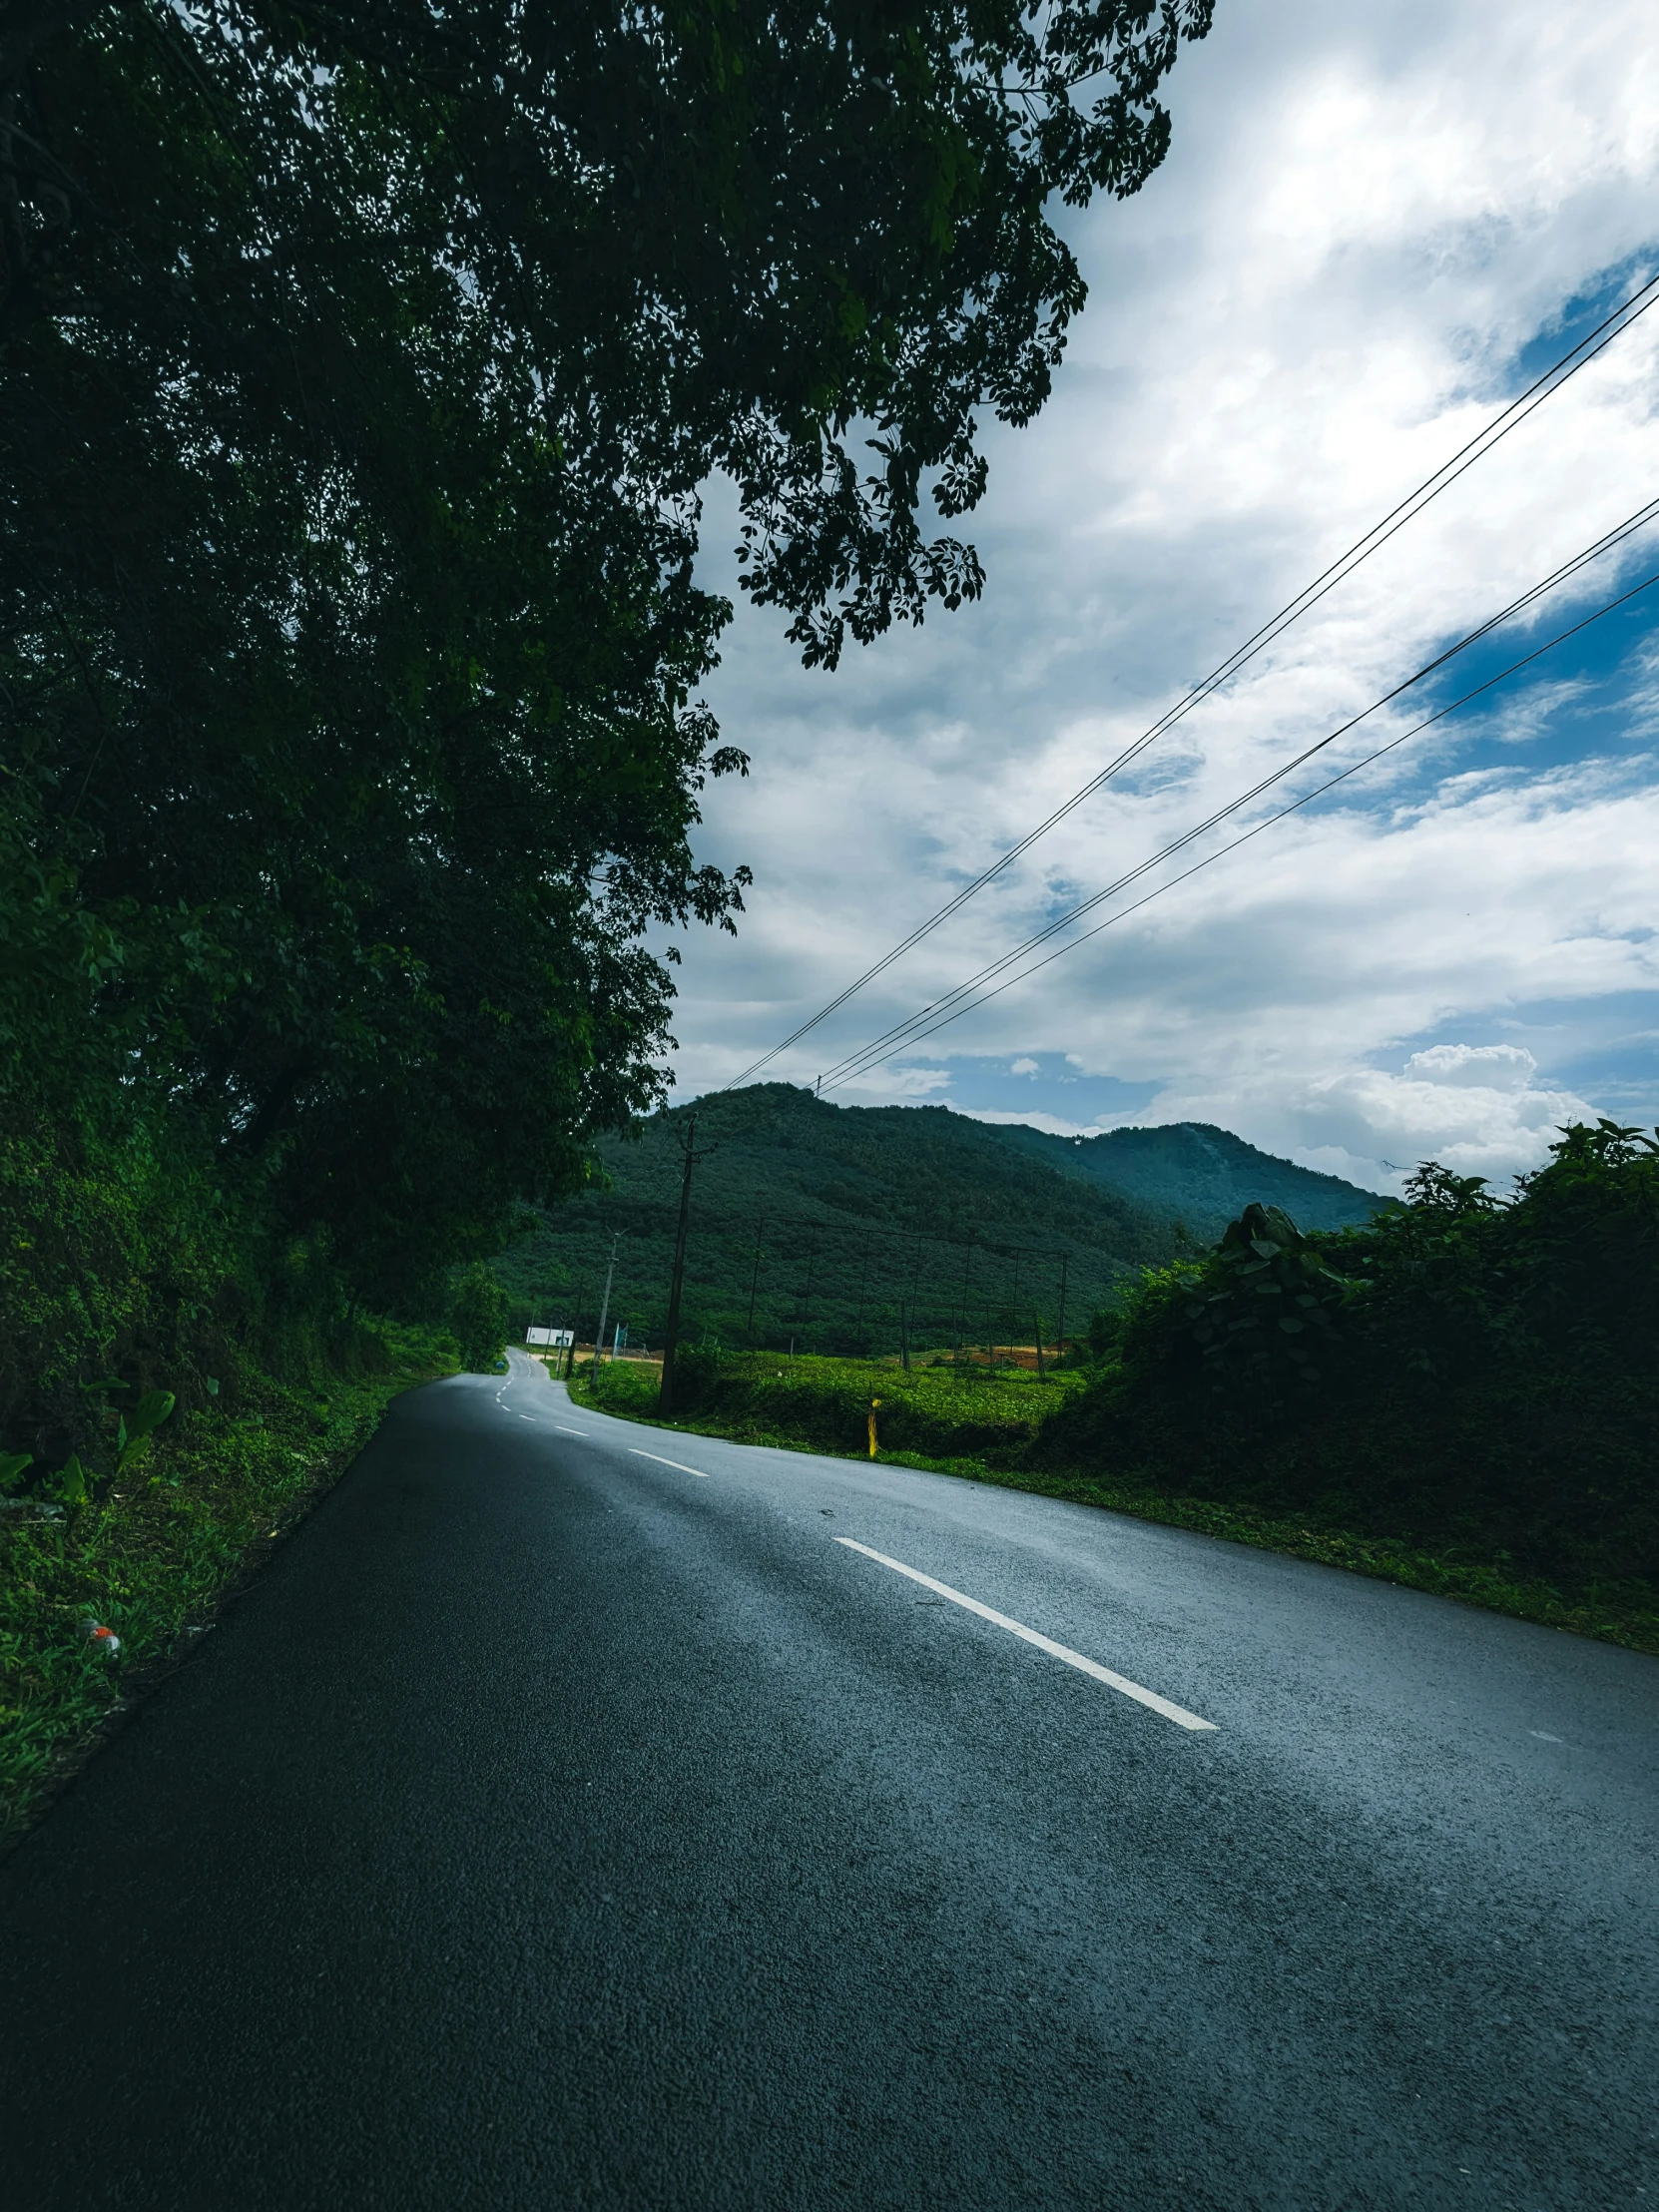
{"x": 1373, "y": 1118}
{"x": 1315, "y": 302}
{"x": 1474, "y": 1067}
{"x": 1375, "y": 1127}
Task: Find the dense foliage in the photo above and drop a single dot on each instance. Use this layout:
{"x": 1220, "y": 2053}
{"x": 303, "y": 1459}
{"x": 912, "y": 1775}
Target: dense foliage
{"x": 1463, "y": 1370}
{"x": 478, "y": 1319}
{"x": 363, "y": 364}
{"x": 150, "y": 1560}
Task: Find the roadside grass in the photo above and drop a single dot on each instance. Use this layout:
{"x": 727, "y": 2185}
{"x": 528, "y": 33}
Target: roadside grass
{"x": 157, "y": 1559}
{"x": 822, "y": 1404}
{"x": 978, "y": 1429}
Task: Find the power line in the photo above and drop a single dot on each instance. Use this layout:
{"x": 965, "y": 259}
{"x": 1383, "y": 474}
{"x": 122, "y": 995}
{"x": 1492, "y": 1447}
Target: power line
{"x": 902, "y": 1030}
{"x": 873, "y": 1056}
{"x": 1570, "y": 363}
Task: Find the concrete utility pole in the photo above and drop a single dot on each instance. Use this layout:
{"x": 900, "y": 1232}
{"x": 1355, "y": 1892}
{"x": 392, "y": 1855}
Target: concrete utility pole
{"x": 806, "y": 1302}
{"x": 665, "y": 1394}
{"x": 754, "y": 1277}
{"x": 1060, "y": 1343}
{"x": 604, "y": 1308}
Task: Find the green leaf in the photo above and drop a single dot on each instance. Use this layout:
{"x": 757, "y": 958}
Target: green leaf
{"x": 72, "y": 1484}
{"x": 152, "y": 1409}
{"x": 12, "y": 1464}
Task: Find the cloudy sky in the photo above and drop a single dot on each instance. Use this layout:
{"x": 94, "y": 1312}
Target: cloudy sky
{"x": 1375, "y": 226}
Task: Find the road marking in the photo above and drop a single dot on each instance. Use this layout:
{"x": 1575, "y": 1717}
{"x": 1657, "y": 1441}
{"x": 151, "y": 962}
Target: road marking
{"x": 662, "y": 1462}
{"x": 1176, "y": 1713}
{"x": 564, "y": 1432}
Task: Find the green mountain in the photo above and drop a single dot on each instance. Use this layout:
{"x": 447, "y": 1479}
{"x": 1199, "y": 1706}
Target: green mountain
{"x": 847, "y": 1229}
{"x": 1198, "y": 1174}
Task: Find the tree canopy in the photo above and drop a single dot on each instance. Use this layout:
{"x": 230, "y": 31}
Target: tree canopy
{"x": 363, "y": 367}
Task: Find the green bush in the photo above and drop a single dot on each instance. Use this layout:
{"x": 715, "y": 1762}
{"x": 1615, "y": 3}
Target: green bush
{"x": 478, "y": 1311}
{"x": 1460, "y": 1372}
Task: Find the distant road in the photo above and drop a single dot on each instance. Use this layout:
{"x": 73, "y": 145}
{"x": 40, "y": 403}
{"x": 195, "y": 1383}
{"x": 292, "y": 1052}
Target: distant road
{"x": 580, "y": 1815}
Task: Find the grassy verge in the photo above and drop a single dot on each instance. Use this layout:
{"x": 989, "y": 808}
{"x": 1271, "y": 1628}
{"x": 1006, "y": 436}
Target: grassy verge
{"x": 978, "y": 1429}
{"x": 156, "y": 1560}
{"x": 819, "y": 1404}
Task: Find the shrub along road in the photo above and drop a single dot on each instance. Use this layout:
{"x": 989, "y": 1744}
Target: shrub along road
{"x": 556, "y": 1825}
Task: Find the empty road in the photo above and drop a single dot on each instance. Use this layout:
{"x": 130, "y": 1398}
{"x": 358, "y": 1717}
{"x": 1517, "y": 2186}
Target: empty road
{"x": 580, "y": 1815}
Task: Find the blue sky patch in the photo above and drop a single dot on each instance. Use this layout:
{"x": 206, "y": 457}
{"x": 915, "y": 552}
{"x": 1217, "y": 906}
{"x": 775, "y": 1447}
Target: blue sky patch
{"x": 1035, "y": 1083}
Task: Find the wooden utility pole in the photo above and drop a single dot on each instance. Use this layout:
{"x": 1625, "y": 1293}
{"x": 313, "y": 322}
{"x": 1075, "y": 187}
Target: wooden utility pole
{"x": 665, "y": 1394}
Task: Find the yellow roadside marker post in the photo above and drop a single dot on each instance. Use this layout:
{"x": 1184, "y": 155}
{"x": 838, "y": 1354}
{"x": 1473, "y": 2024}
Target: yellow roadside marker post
{"x": 874, "y": 1402}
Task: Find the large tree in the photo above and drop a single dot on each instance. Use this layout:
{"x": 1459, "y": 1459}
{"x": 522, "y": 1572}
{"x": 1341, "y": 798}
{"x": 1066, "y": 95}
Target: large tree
{"x": 363, "y": 364}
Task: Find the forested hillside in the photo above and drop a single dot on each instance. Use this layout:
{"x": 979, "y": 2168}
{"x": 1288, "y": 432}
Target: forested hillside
{"x": 1202, "y": 1176}
{"x": 851, "y": 1222}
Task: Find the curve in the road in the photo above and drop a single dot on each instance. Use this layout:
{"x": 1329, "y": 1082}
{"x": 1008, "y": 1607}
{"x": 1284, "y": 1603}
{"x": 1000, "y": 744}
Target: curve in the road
{"x": 565, "y": 1822}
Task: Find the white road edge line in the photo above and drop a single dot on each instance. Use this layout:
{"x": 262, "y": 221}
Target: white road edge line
{"x": 662, "y": 1462}
{"x": 1170, "y": 1712}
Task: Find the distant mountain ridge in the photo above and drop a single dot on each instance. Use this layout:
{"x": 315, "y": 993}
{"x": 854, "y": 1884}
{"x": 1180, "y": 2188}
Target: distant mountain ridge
{"x": 1197, "y": 1174}
{"x": 839, "y": 1227}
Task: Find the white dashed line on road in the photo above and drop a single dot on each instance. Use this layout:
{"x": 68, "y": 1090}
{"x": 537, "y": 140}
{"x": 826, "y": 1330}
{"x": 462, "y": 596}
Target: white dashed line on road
{"x": 564, "y": 1432}
{"x": 1176, "y": 1713}
{"x": 662, "y": 1462}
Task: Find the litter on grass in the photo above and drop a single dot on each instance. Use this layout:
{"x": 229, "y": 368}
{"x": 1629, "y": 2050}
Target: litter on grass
{"x": 102, "y": 1639}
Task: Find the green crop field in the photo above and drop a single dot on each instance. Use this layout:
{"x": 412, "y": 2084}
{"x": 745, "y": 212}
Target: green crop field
{"x": 824, "y": 1405}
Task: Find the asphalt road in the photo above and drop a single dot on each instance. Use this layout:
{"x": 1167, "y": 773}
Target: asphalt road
{"x": 551, "y": 1826}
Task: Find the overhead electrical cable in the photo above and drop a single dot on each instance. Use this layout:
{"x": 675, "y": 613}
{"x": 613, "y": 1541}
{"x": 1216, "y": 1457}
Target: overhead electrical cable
{"x": 1570, "y": 363}
{"x": 1256, "y": 829}
{"x": 965, "y": 995}
{"x": 1602, "y": 545}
